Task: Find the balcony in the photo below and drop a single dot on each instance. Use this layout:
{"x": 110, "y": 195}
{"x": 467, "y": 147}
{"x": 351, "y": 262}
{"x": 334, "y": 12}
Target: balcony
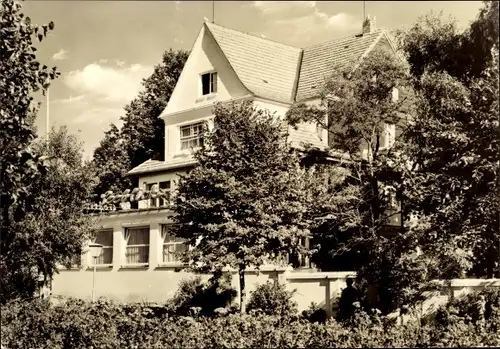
{"x": 132, "y": 201}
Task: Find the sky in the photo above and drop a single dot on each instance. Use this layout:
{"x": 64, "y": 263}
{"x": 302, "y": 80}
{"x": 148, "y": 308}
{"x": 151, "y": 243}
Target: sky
{"x": 104, "y": 49}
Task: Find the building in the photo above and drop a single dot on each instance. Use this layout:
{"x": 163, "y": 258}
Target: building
{"x": 138, "y": 261}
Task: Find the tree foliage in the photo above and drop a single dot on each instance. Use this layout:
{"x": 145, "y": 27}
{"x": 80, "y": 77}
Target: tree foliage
{"x": 21, "y": 76}
{"x": 356, "y": 107}
{"x": 446, "y": 156}
{"x": 453, "y": 143}
{"x": 142, "y": 135}
{"x": 55, "y": 229}
{"x": 111, "y": 163}
{"x": 245, "y": 203}
{"x": 434, "y": 43}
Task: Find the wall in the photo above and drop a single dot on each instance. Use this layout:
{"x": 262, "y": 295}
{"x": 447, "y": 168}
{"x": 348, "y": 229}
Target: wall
{"x": 159, "y": 284}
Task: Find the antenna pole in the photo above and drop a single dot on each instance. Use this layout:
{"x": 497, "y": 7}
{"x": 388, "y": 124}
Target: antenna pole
{"x": 213, "y": 11}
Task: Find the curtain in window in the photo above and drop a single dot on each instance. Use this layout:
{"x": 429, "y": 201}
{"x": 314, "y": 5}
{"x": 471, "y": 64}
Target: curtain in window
{"x": 137, "y": 241}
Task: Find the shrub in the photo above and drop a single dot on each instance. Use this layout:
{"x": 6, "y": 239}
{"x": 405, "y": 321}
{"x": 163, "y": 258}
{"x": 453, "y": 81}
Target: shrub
{"x": 315, "y": 313}
{"x": 272, "y": 298}
{"x": 79, "y": 324}
{"x": 471, "y": 307}
{"x": 195, "y": 298}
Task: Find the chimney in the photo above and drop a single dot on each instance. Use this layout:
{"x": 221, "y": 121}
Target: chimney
{"x": 369, "y": 25}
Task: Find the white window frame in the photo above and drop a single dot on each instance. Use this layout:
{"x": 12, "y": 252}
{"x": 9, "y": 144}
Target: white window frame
{"x": 175, "y": 242}
{"x": 104, "y": 247}
{"x": 128, "y": 247}
{"x": 212, "y": 81}
{"x": 198, "y": 137}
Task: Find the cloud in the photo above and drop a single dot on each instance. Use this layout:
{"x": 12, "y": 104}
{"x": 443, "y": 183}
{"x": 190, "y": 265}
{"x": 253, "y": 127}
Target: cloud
{"x": 303, "y": 21}
{"x": 68, "y": 100}
{"x": 294, "y": 8}
{"x": 60, "y": 55}
{"x": 118, "y": 83}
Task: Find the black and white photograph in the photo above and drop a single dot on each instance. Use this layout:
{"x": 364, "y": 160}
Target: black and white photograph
{"x": 249, "y": 174}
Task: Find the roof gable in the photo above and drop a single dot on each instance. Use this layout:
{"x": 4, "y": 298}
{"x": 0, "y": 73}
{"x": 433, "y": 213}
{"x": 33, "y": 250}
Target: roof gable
{"x": 205, "y": 56}
{"x": 266, "y": 68}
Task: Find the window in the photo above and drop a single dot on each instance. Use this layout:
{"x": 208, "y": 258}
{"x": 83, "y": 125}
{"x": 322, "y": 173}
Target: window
{"x": 160, "y": 201}
{"x": 388, "y": 136}
{"x": 137, "y": 241}
{"x": 172, "y": 245}
{"x": 105, "y": 238}
{"x": 209, "y": 83}
{"x": 192, "y": 136}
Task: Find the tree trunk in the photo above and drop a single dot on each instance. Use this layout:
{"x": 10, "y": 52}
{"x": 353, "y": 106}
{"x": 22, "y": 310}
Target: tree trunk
{"x": 243, "y": 296}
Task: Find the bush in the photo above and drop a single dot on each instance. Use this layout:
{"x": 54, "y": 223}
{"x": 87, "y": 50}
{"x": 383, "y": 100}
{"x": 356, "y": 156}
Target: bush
{"x": 314, "y": 314}
{"x": 79, "y": 324}
{"x": 272, "y": 298}
{"x": 195, "y": 298}
{"x": 470, "y": 307}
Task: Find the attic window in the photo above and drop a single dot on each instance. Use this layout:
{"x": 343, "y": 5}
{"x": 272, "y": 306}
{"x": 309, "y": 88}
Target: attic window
{"x": 208, "y": 83}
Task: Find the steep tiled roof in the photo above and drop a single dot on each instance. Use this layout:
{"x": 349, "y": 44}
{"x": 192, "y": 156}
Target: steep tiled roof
{"x": 268, "y": 69}
{"x": 319, "y": 61}
{"x": 155, "y": 165}
{"x": 284, "y": 73}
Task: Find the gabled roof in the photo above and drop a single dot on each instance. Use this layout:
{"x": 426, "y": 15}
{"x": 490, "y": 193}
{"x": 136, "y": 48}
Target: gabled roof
{"x": 284, "y": 73}
{"x": 266, "y": 68}
{"x": 320, "y": 61}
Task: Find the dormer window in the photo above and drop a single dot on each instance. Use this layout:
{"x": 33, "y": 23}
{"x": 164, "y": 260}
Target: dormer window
{"x": 208, "y": 83}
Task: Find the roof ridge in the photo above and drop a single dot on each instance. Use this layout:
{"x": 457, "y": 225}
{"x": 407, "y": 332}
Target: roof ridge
{"x": 253, "y": 35}
{"x": 378, "y": 31}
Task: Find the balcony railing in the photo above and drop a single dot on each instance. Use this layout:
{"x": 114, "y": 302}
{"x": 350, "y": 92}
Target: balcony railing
{"x": 131, "y": 200}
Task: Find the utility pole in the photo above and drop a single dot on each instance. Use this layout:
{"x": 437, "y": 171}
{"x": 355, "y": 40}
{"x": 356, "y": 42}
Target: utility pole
{"x": 47, "y": 120}
{"x": 364, "y": 4}
{"x": 213, "y": 11}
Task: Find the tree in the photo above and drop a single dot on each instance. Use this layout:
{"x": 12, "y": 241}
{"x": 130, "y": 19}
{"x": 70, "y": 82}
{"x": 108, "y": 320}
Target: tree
{"x": 359, "y": 109}
{"x": 56, "y": 228}
{"x": 142, "y": 135}
{"x": 21, "y": 75}
{"x": 434, "y": 44}
{"x": 111, "y": 163}
{"x": 245, "y": 203}
{"x": 356, "y": 109}
{"x": 143, "y": 130}
{"x": 453, "y": 143}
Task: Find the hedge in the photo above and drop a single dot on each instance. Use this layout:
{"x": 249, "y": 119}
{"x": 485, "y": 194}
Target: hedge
{"x": 79, "y": 324}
